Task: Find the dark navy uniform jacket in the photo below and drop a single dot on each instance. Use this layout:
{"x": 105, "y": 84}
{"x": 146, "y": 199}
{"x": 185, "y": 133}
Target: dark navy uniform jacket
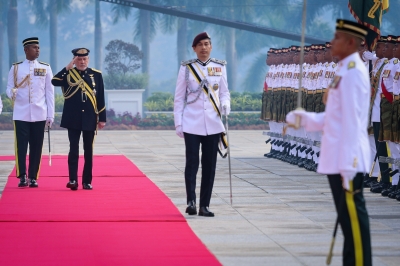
{"x": 83, "y": 107}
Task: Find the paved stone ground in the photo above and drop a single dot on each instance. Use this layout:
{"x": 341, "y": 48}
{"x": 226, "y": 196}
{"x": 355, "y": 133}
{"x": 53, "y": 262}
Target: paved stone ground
{"x": 281, "y": 214}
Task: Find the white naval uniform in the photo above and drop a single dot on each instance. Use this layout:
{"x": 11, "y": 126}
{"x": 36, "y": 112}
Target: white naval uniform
{"x": 200, "y": 117}
{"x": 35, "y": 99}
{"x": 376, "y": 109}
{"x": 1, "y": 105}
{"x": 344, "y": 145}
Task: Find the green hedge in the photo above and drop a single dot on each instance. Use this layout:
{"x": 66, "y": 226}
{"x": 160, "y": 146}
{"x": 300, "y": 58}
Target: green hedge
{"x": 7, "y": 103}
{"x": 246, "y": 101}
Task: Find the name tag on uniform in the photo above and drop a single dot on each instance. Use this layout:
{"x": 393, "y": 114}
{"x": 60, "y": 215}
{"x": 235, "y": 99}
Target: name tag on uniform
{"x": 335, "y": 82}
{"x": 39, "y": 72}
{"x": 397, "y": 75}
{"x": 214, "y": 71}
{"x": 386, "y": 73}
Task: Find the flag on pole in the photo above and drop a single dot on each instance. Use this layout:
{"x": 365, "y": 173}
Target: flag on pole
{"x": 369, "y": 13}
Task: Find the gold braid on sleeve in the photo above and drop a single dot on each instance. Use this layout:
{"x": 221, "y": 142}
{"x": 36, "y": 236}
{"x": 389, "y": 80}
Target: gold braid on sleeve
{"x": 78, "y": 84}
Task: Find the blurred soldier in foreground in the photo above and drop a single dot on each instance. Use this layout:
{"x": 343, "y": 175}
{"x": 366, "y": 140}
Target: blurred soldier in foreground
{"x": 29, "y": 87}
{"x": 201, "y": 96}
{"x": 344, "y": 147}
{"x": 84, "y": 112}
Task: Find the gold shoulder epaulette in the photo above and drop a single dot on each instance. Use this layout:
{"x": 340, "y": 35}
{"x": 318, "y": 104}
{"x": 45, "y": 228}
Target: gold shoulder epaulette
{"x": 351, "y": 64}
{"x": 327, "y": 64}
{"x": 95, "y": 70}
{"x": 43, "y": 63}
{"x": 386, "y": 61}
{"x": 334, "y": 65}
{"x": 395, "y": 61}
{"x": 187, "y": 62}
{"x": 17, "y": 63}
{"x": 221, "y": 62}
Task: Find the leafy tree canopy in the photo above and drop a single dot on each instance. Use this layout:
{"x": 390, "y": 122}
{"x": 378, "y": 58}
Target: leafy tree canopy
{"x": 122, "y": 57}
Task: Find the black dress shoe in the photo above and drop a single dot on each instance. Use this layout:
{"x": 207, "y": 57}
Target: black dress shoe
{"x": 394, "y": 194}
{"x": 367, "y": 182}
{"x": 191, "y": 208}
{"x": 87, "y": 186}
{"x": 72, "y": 184}
{"x": 380, "y": 188}
{"x": 22, "y": 181}
{"x": 387, "y": 191}
{"x": 203, "y": 211}
{"x": 33, "y": 183}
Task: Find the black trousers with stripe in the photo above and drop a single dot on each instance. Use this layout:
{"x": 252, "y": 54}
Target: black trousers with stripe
{"x": 31, "y": 133}
{"x": 209, "y": 150}
{"x": 74, "y": 136}
{"x": 354, "y": 221}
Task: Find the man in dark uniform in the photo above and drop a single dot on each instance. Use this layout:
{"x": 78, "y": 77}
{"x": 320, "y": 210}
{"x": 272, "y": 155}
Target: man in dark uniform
{"x": 84, "y": 111}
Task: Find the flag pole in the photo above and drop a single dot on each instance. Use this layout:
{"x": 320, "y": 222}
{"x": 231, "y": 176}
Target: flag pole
{"x": 297, "y": 123}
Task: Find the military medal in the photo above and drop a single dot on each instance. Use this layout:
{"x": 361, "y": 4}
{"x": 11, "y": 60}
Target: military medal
{"x": 214, "y": 71}
{"x": 93, "y": 83}
{"x": 215, "y": 86}
{"x": 39, "y": 72}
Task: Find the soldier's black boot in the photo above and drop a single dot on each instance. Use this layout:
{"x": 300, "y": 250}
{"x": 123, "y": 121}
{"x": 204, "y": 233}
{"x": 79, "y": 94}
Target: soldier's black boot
{"x": 22, "y": 181}
{"x": 369, "y": 181}
{"x": 382, "y": 186}
{"x": 386, "y": 192}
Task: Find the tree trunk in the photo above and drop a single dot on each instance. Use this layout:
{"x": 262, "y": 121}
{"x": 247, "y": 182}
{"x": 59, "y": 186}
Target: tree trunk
{"x": 2, "y": 87}
{"x": 182, "y": 40}
{"x": 53, "y": 36}
{"x": 12, "y": 32}
{"x": 231, "y": 58}
{"x": 145, "y": 34}
{"x": 98, "y": 38}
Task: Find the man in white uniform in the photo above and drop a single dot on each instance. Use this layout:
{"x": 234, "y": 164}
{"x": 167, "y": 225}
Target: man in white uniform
{"x": 29, "y": 86}
{"x": 345, "y": 150}
{"x": 201, "y": 97}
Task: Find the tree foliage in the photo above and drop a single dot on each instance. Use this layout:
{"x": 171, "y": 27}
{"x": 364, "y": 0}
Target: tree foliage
{"x": 122, "y": 57}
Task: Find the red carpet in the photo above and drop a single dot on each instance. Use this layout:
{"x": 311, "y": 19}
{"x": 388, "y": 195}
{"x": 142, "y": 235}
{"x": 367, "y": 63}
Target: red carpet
{"x": 7, "y": 158}
{"x": 124, "y": 220}
{"x": 103, "y": 165}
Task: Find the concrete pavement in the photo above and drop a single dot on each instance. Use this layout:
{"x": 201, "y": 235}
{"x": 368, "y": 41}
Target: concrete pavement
{"x": 281, "y": 214}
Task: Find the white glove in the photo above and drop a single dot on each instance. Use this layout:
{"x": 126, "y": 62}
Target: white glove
{"x": 14, "y": 94}
{"x": 179, "y": 131}
{"x": 347, "y": 176}
{"x": 49, "y": 121}
{"x": 291, "y": 117}
{"x": 367, "y": 55}
{"x": 226, "y": 108}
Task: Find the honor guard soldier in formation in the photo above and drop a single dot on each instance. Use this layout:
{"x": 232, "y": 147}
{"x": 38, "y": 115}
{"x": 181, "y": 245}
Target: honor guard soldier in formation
{"x": 281, "y": 88}
{"x": 201, "y": 97}
{"x": 345, "y": 149}
{"x": 84, "y": 112}
{"x": 1, "y": 106}
{"x": 29, "y": 86}
{"x": 385, "y": 115}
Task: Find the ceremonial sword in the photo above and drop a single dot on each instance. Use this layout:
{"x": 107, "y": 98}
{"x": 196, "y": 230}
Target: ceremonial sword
{"x": 48, "y": 134}
{"x": 229, "y": 154}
